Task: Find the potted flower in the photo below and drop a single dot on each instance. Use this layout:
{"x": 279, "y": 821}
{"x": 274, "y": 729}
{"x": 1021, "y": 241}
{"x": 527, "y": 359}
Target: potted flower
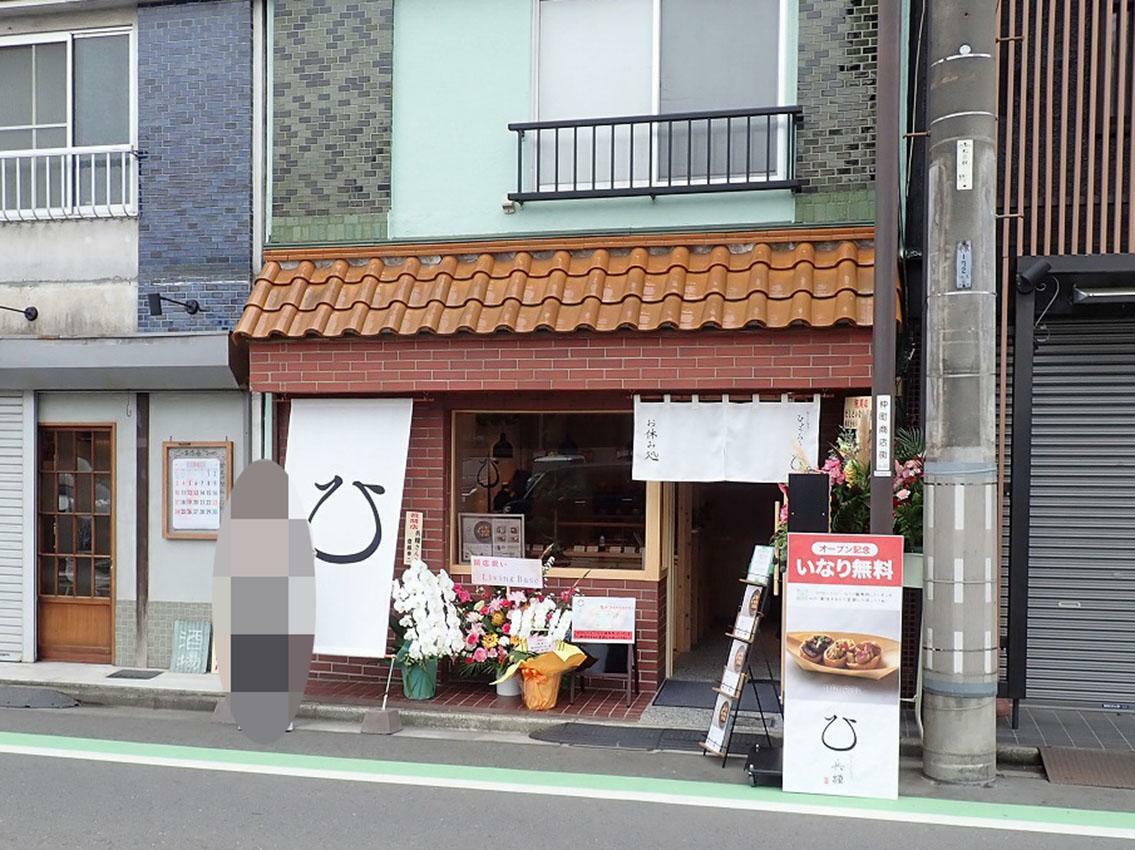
{"x": 428, "y": 627}
{"x": 487, "y": 644}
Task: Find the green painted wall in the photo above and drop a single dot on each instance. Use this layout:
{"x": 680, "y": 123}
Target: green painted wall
{"x": 462, "y": 72}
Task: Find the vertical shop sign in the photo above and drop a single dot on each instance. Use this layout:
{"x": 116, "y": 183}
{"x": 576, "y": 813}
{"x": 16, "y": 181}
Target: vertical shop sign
{"x": 412, "y": 537}
{"x": 843, "y": 633}
{"x": 347, "y": 458}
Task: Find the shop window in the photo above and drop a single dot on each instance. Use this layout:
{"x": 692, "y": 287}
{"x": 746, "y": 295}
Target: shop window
{"x": 524, "y": 481}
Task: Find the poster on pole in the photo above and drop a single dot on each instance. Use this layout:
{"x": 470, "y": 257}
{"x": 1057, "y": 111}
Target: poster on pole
{"x": 347, "y": 458}
{"x": 842, "y": 651}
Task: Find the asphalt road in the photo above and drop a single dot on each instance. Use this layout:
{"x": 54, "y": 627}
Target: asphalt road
{"x": 203, "y": 794}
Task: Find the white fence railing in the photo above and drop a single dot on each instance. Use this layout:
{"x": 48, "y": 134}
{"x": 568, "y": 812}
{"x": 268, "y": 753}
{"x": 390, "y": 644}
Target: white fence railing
{"x": 66, "y": 183}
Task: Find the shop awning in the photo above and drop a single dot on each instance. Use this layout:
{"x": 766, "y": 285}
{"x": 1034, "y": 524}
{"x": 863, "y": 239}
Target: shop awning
{"x": 193, "y": 361}
{"x": 818, "y": 278}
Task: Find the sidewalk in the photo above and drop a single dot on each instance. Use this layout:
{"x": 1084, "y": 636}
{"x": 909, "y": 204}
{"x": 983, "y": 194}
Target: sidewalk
{"x": 474, "y": 706}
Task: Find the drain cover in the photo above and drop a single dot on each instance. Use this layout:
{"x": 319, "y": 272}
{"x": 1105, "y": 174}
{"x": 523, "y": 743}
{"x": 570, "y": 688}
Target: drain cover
{"x": 14, "y": 696}
{"x": 134, "y": 674}
{"x": 1103, "y": 769}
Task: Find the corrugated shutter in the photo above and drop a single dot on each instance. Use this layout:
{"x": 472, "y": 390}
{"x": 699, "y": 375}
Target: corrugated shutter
{"x": 12, "y": 490}
{"x": 1082, "y": 543}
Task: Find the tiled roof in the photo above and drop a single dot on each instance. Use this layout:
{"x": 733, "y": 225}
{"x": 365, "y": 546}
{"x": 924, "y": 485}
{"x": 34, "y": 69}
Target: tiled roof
{"x": 729, "y": 282}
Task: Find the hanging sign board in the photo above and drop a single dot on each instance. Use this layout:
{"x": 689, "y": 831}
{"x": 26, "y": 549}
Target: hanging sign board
{"x": 412, "y": 537}
{"x": 508, "y": 572}
{"x": 714, "y": 441}
{"x": 842, "y": 649}
{"x": 347, "y": 459}
{"x": 603, "y": 619}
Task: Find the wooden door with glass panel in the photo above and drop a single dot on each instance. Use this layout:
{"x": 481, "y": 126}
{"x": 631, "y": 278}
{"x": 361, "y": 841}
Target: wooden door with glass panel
{"x": 76, "y": 543}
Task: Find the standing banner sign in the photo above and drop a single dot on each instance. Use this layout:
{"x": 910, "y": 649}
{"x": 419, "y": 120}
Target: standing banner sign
{"x": 843, "y": 633}
{"x": 347, "y": 458}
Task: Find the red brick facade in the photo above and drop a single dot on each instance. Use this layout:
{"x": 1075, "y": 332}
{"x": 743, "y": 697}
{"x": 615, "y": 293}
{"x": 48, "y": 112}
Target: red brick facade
{"x": 545, "y": 372}
{"x": 798, "y": 359}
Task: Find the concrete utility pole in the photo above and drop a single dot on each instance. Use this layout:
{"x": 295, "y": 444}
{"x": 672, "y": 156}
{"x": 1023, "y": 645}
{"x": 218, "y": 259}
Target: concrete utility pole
{"x": 960, "y": 603}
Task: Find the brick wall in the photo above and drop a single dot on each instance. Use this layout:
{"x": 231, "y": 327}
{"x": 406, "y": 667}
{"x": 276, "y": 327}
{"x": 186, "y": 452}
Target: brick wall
{"x": 836, "y": 88}
{"x": 331, "y": 100}
{"x": 195, "y": 127}
{"x": 800, "y": 359}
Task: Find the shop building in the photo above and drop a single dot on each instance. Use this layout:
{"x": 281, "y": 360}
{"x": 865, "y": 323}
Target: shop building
{"x": 126, "y": 151}
{"x": 490, "y": 242}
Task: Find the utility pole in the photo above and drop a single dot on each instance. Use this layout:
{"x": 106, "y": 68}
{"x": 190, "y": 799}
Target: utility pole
{"x": 960, "y": 602}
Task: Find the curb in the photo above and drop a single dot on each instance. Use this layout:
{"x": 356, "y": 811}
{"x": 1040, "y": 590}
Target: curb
{"x": 1010, "y": 755}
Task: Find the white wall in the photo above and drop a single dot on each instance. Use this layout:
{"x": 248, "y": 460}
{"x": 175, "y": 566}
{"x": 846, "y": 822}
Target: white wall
{"x": 182, "y": 570}
{"x": 107, "y": 409}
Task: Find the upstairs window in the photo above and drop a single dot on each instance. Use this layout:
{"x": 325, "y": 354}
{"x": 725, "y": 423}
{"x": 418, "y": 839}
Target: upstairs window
{"x": 65, "y": 123}
{"x": 619, "y": 58}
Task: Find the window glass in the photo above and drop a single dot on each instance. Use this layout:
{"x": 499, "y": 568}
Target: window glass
{"x": 102, "y": 90}
{"x": 16, "y": 78}
{"x": 567, "y": 475}
{"x": 595, "y": 62}
{"x": 740, "y": 72}
{"x": 51, "y": 83}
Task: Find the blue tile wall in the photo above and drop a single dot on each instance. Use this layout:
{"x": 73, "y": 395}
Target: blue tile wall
{"x": 195, "y": 130}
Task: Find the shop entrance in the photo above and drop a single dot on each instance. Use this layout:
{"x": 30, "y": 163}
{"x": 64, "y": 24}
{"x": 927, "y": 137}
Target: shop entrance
{"x": 717, "y": 526}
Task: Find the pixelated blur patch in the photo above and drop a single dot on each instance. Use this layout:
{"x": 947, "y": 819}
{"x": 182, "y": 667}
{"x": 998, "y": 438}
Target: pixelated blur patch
{"x": 264, "y": 601}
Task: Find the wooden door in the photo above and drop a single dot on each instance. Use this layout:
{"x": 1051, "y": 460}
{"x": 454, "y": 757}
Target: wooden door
{"x": 76, "y": 543}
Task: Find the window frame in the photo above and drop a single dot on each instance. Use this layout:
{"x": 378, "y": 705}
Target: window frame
{"x": 69, "y": 37}
{"x": 782, "y": 100}
{"x": 652, "y": 568}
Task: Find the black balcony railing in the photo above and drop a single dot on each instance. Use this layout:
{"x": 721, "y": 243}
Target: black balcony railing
{"x": 671, "y": 154}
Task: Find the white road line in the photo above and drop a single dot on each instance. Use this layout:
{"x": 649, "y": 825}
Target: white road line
{"x": 629, "y": 795}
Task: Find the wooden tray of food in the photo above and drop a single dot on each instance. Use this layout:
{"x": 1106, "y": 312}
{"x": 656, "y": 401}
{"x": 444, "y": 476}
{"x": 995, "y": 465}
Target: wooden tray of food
{"x": 845, "y": 653}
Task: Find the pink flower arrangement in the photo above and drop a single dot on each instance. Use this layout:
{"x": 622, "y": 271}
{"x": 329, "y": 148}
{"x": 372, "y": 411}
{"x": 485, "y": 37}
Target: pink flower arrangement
{"x": 480, "y": 655}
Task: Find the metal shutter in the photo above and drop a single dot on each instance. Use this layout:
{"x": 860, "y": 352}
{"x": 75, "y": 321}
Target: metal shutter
{"x": 1082, "y": 544}
{"x": 12, "y": 490}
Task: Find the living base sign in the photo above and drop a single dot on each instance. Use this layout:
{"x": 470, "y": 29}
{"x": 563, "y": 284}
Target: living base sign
{"x": 842, "y": 654}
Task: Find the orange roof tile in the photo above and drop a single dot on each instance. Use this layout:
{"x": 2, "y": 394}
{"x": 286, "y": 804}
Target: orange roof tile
{"x": 731, "y": 282}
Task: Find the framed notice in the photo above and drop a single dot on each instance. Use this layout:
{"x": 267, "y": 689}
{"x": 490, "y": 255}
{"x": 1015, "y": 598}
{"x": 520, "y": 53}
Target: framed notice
{"x": 196, "y": 480}
{"x": 603, "y": 619}
{"x": 491, "y": 535}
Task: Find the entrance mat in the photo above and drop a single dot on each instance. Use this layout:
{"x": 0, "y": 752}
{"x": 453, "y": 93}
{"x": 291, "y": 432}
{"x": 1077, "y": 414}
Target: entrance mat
{"x": 134, "y": 674}
{"x": 1098, "y": 768}
{"x": 633, "y": 737}
{"x": 18, "y": 696}
{"x": 680, "y": 693}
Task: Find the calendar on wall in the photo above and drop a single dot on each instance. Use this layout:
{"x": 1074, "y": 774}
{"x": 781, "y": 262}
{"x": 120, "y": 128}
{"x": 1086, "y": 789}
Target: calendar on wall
{"x": 196, "y": 480}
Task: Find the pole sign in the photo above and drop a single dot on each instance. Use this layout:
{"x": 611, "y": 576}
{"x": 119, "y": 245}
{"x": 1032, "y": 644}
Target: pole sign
{"x": 508, "y": 572}
{"x": 883, "y": 437}
{"x": 603, "y": 619}
{"x": 842, "y": 651}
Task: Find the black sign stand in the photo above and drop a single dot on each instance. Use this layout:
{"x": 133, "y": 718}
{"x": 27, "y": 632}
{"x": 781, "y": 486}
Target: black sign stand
{"x": 748, "y": 678}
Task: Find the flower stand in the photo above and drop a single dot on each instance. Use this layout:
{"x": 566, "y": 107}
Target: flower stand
{"x": 419, "y": 681}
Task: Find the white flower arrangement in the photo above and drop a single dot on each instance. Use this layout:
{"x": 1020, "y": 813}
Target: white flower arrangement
{"x": 432, "y": 622}
{"x": 542, "y": 617}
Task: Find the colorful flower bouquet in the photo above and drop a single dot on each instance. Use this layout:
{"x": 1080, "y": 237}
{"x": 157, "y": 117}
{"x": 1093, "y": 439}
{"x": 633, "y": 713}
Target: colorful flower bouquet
{"x": 496, "y": 626}
{"x": 849, "y": 470}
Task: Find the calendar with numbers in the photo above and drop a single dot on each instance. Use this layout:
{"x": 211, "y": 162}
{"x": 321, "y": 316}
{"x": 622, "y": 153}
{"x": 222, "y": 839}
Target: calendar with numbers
{"x": 197, "y": 481}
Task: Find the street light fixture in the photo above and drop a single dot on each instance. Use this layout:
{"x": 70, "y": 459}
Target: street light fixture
{"x": 29, "y": 313}
{"x": 155, "y": 299}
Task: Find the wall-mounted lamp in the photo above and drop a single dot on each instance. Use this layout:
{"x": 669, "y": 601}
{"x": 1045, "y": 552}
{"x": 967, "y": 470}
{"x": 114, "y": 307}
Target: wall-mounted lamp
{"x": 192, "y": 306}
{"x": 29, "y": 313}
{"x": 1103, "y": 295}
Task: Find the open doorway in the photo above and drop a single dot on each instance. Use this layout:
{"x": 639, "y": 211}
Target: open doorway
{"x": 717, "y": 526}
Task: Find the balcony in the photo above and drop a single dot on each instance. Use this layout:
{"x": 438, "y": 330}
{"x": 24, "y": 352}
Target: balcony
{"x": 678, "y": 153}
{"x": 58, "y": 184}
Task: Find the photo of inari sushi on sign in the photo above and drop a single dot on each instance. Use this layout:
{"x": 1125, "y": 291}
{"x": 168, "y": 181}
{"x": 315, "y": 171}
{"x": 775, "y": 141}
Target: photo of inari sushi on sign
{"x": 844, "y": 653}
{"x": 264, "y": 601}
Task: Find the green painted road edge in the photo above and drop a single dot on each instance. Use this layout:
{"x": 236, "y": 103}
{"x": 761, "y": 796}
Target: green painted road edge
{"x": 550, "y": 781}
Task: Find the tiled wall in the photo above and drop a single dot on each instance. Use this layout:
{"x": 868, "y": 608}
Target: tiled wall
{"x": 331, "y": 100}
{"x": 836, "y": 88}
{"x": 797, "y": 359}
{"x": 124, "y": 633}
{"x": 195, "y": 130}
{"x": 160, "y": 617}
